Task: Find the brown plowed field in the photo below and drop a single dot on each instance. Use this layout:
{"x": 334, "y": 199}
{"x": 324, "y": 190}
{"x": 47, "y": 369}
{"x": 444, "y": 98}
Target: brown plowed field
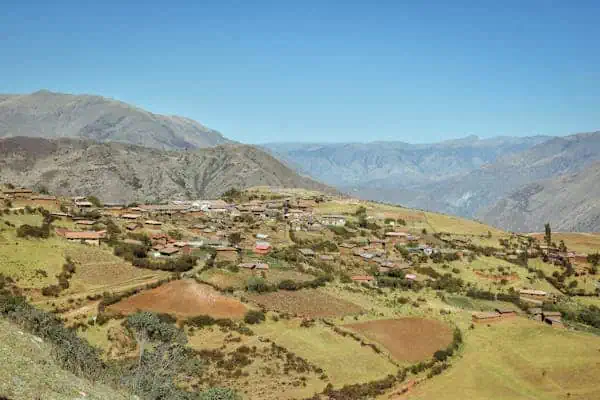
{"x": 184, "y": 298}
{"x": 306, "y": 303}
{"x": 407, "y": 339}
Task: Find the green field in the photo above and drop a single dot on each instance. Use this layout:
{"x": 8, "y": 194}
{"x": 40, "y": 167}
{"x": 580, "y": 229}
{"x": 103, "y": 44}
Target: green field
{"x": 330, "y": 351}
{"x": 520, "y": 359}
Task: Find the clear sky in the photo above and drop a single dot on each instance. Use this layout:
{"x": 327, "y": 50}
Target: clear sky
{"x": 258, "y": 71}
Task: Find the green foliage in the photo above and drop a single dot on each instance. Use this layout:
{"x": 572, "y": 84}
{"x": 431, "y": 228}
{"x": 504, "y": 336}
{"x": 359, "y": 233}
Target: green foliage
{"x": 254, "y": 317}
{"x": 232, "y": 195}
{"x": 219, "y": 394}
{"x": 594, "y": 259}
{"x": 175, "y": 234}
{"x": 95, "y": 201}
{"x": 234, "y": 238}
{"x": 259, "y": 285}
{"x": 548, "y": 234}
{"x": 40, "y": 232}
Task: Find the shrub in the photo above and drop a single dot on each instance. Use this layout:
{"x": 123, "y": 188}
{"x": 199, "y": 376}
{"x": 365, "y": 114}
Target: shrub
{"x": 258, "y": 284}
{"x": 254, "y": 317}
{"x": 219, "y": 394}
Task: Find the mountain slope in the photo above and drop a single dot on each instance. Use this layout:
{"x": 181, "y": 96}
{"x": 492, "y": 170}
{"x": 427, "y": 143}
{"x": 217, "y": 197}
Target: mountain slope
{"x": 470, "y": 194}
{"x": 569, "y": 202}
{"x": 385, "y": 165}
{"x": 28, "y": 371}
{"x": 52, "y": 115}
{"x": 121, "y": 172}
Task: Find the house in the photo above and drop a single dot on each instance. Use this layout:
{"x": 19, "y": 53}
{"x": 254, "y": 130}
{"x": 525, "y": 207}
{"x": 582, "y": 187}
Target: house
{"x": 168, "y": 251}
{"x": 333, "y": 219}
{"x": 485, "y": 317}
{"x": 533, "y": 294}
{"x": 83, "y": 203}
{"x": 377, "y": 243}
{"x": 363, "y": 278}
{"x": 397, "y": 237}
{"x": 254, "y": 266}
{"x": 326, "y": 257}
{"x": 88, "y": 237}
{"x": 131, "y": 216}
{"x": 262, "y": 248}
{"x": 307, "y": 252}
{"x": 262, "y": 236}
{"x": 131, "y": 227}
{"x": 410, "y": 277}
{"x": 45, "y": 200}
{"x": 152, "y": 224}
{"x": 551, "y": 314}
{"x": 506, "y": 312}
{"x": 346, "y": 248}
{"x": 20, "y": 193}
{"x": 60, "y": 215}
{"x": 86, "y": 222}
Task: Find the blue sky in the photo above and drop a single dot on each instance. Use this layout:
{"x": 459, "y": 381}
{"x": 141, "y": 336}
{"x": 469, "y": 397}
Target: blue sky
{"x": 320, "y": 70}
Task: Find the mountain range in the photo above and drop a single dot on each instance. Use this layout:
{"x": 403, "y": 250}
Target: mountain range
{"x": 80, "y": 144}
{"x": 469, "y": 177}
{"x": 118, "y": 172}
{"x": 54, "y": 115}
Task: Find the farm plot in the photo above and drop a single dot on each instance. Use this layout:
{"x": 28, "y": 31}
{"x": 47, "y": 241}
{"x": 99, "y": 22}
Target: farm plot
{"x": 98, "y": 269}
{"x": 224, "y": 279}
{"x": 184, "y": 298}
{"x": 407, "y": 339}
{"x": 306, "y": 303}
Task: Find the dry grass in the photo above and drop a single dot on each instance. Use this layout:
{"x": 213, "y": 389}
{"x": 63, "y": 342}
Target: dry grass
{"x": 520, "y": 359}
{"x": 307, "y": 303}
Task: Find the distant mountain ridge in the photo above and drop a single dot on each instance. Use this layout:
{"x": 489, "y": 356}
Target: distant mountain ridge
{"x": 465, "y": 177}
{"x": 397, "y": 164}
{"x": 53, "y": 115}
{"x": 120, "y": 172}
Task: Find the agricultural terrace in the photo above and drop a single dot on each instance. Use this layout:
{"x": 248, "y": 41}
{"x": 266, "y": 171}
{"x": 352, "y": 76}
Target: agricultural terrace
{"x": 311, "y": 303}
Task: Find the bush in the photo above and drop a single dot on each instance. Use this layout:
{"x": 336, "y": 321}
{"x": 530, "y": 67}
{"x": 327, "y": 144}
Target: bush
{"x": 259, "y": 285}
{"x": 219, "y": 394}
{"x": 254, "y": 317}
{"x": 440, "y": 355}
{"x": 40, "y": 232}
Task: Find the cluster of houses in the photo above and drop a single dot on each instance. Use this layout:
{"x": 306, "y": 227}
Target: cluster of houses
{"x": 533, "y": 297}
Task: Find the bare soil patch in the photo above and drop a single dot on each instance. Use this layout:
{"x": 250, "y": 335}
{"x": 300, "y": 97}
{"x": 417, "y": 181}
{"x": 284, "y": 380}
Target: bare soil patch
{"x": 184, "y": 298}
{"x": 407, "y": 339}
{"x": 306, "y": 303}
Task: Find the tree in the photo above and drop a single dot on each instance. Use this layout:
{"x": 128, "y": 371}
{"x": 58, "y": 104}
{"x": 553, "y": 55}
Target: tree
{"x": 95, "y": 201}
{"x": 234, "y": 238}
{"x": 548, "y": 234}
{"x": 562, "y": 246}
{"x": 147, "y": 327}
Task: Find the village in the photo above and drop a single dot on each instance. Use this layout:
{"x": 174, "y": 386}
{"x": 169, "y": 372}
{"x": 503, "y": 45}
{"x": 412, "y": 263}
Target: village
{"x": 305, "y": 261}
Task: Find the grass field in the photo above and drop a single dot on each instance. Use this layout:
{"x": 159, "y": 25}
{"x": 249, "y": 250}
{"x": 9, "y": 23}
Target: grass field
{"x": 520, "y": 359}
{"x": 306, "y": 303}
{"x": 22, "y": 258}
{"x": 343, "y": 359}
{"x": 237, "y": 280}
{"x": 576, "y": 241}
{"x": 98, "y": 269}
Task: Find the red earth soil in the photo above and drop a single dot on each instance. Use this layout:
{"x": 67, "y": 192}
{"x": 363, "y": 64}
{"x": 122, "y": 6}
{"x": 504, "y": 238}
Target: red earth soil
{"x": 184, "y": 298}
{"x": 407, "y": 339}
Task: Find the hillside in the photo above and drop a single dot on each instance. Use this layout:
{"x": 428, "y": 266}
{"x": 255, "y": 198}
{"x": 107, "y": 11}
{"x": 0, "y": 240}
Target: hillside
{"x": 121, "y": 172}
{"x": 28, "y": 371}
{"x": 54, "y": 115}
{"x": 569, "y": 203}
{"x": 395, "y": 164}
